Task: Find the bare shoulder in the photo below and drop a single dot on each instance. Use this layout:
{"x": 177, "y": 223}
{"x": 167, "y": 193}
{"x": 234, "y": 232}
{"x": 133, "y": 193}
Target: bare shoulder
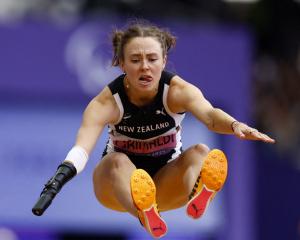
{"x": 179, "y": 93}
{"x": 104, "y": 107}
{"x": 177, "y": 83}
{"x": 104, "y": 97}
{"x": 179, "y": 86}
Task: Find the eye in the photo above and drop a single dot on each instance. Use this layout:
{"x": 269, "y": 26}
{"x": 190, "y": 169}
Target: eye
{"x": 152, "y": 59}
{"x": 135, "y": 60}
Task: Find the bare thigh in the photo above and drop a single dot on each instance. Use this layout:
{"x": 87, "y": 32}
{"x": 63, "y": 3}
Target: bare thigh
{"x": 104, "y": 179}
{"x": 174, "y": 182}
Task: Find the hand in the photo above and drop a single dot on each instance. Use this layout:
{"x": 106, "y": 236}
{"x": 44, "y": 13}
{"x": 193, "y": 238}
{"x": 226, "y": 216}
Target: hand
{"x": 243, "y": 131}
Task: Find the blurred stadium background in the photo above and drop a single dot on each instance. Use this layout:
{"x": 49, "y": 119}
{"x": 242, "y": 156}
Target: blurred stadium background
{"x": 243, "y": 54}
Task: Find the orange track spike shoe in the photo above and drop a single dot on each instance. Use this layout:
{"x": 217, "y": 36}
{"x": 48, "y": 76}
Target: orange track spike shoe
{"x": 143, "y": 192}
{"x": 211, "y": 179}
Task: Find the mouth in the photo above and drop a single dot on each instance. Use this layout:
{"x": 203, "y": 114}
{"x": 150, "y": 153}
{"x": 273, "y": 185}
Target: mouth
{"x": 145, "y": 80}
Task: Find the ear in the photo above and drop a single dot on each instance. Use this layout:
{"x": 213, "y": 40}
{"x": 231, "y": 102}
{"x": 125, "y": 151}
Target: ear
{"x": 164, "y": 61}
{"x": 121, "y": 65}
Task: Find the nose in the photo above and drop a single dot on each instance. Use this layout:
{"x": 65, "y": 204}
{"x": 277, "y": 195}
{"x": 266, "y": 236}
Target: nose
{"x": 145, "y": 65}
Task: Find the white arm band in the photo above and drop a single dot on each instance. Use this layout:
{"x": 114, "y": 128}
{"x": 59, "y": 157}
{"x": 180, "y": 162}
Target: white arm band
{"x": 78, "y": 157}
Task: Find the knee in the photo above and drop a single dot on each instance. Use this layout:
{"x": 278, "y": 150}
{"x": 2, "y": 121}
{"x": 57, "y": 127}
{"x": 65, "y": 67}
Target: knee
{"x": 194, "y": 156}
{"x": 119, "y": 161}
{"x": 201, "y": 149}
{"x": 112, "y": 163}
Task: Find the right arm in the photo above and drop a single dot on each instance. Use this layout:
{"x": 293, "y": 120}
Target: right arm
{"x": 101, "y": 111}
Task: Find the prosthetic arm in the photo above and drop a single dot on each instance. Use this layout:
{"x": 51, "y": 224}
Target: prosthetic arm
{"x": 74, "y": 163}
{"x": 64, "y": 173}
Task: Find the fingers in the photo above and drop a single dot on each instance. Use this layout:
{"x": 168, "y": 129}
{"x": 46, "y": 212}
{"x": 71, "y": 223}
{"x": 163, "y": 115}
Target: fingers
{"x": 243, "y": 131}
{"x": 265, "y": 138}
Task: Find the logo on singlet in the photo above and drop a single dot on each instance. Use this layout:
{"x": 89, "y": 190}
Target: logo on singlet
{"x": 160, "y": 112}
{"x": 127, "y": 116}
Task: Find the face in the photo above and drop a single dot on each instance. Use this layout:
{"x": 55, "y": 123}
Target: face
{"x": 143, "y": 63}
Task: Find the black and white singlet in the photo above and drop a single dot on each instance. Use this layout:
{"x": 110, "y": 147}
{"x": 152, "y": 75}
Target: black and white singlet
{"x": 151, "y": 131}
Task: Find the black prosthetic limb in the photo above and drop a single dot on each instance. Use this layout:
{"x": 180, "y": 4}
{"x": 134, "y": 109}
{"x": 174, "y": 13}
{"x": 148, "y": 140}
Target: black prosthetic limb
{"x": 64, "y": 173}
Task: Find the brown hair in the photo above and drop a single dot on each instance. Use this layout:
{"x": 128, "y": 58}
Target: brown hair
{"x": 140, "y": 29}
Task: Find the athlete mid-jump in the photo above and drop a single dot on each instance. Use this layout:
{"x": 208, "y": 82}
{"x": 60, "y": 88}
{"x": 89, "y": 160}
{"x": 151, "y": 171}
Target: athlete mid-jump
{"x": 143, "y": 167}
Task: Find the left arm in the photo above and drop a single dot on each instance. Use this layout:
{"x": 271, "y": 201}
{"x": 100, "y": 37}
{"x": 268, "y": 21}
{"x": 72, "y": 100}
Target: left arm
{"x": 184, "y": 96}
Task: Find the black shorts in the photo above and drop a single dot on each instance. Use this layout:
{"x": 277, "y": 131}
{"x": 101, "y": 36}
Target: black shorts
{"x": 150, "y": 164}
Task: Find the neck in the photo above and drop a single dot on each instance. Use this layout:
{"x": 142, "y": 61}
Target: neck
{"x": 140, "y": 99}
{"x": 137, "y": 97}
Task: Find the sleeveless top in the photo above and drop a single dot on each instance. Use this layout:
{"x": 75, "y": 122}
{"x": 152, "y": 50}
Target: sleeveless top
{"x": 149, "y": 131}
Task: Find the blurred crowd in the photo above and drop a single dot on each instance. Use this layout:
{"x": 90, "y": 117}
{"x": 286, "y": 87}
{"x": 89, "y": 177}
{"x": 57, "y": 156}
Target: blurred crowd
{"x": 277, "y": 88}
{"x": 277, "y": 76}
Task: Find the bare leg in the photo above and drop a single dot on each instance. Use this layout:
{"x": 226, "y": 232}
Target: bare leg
{"x": 175, "y": 181}
{"x": 112, "y": 182}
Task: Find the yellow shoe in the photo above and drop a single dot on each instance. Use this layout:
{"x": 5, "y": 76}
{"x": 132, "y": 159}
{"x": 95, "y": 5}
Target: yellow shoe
{"x": 143, "y": 193}
{"x": 211, "y": 179}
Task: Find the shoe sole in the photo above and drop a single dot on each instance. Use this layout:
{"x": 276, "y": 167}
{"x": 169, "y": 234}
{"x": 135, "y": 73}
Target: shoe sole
{"x": 210, "y": 181}
{"x": 143, "y": 193}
